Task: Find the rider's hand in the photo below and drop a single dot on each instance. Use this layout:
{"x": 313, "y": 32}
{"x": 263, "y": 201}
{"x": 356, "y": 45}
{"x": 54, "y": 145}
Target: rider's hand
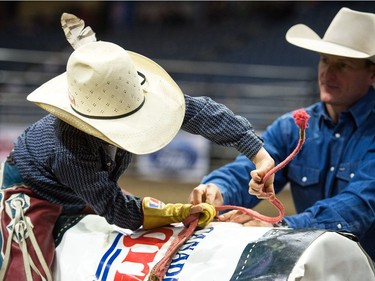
{"x": 208, "y": 193}
{"x": 263, "y": 163}
{"x": 260, "y": 189}
{"x": 156, "y": 213}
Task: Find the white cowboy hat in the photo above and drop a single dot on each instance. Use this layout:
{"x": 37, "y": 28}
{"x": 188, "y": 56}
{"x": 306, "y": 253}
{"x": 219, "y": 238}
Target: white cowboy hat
{"x": 101, "y": 94}
{"x": 350, "y": 34}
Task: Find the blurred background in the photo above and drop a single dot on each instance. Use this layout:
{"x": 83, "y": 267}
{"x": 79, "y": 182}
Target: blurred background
{"x": 232, "y": 51}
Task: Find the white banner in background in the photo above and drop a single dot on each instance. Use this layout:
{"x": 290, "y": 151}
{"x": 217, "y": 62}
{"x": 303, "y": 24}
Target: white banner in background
{"x": 185, "y": 158}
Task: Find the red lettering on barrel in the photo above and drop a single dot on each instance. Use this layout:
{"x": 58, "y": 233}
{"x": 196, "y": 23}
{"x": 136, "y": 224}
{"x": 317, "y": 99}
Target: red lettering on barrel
{"x": 148, "y": 238}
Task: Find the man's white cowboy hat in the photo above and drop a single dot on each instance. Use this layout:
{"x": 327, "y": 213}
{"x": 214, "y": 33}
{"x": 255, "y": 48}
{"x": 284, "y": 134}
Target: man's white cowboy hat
{"x": 350, "y": 34}
{"x": 118, "y": 96}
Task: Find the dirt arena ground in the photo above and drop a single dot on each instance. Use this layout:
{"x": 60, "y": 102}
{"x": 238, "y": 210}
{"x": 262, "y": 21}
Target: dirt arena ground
{"x": 172, "y": 191}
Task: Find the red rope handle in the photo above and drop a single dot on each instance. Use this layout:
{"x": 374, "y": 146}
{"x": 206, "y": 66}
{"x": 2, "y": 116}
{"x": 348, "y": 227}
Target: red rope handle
{"x": 300, "y": 117}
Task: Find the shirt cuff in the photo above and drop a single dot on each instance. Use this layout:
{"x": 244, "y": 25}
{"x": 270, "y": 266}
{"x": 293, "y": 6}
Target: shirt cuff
{"x": 303, "y": 220}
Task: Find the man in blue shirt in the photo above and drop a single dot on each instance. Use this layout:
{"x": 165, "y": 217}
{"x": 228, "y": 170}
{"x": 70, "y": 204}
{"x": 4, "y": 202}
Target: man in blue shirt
{"x": 332, "y": 179}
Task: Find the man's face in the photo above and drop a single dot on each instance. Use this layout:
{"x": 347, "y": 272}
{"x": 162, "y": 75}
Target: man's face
{"x": 343, "y": 81}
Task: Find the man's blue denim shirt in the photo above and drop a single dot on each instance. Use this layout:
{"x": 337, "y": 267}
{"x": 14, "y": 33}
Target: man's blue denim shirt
{"x": 332, "y": 179}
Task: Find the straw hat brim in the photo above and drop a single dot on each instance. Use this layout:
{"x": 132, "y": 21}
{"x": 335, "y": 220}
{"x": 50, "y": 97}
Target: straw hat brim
{"x": 304, "y": 37}
{"x": 145, "y": 131}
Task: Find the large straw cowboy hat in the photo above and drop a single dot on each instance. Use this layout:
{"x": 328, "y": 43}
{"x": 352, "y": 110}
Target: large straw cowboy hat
{"x": 116, "y": 95}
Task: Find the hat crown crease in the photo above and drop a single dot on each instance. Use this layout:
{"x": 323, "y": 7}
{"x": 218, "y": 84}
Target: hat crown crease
{"x": 103, "y": 82}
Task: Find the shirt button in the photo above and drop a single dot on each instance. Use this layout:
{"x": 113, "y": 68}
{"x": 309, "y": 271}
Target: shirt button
{"x": 337, "y": 135}
{"x": 304, "y": 179}
{"x": 332, "y": 169}
{"x": 109, "y": 164}
{"x": 339, "y": 226}
{"x": 351, "y": 175}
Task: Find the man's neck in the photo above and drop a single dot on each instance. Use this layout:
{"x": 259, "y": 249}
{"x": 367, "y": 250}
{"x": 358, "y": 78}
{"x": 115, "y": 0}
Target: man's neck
{"x": 334, "y": 111}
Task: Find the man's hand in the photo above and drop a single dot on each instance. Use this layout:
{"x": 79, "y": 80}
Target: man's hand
{"x": 206, "y": 193}
{"x": 239, "y": 217}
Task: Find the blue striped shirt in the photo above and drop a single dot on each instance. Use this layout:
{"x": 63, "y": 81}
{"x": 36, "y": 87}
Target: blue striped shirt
{"x": 66, "y": 166}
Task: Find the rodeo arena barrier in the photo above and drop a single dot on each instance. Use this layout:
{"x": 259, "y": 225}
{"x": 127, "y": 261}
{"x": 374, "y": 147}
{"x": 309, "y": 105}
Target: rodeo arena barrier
{"x": 88, "y": 248}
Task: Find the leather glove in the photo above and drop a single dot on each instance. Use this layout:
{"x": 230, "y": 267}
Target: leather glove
{"x": 157, "y": 213}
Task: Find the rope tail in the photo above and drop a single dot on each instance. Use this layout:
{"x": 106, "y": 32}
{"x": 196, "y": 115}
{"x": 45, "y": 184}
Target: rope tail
{"x": 158, "y": 271}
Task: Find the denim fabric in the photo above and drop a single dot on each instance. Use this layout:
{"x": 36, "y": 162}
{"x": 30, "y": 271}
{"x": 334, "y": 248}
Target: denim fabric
{"x": 332, "y": 179}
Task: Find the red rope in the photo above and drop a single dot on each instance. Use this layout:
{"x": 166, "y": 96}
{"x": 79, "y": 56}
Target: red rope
{"x": 300, "y": 117}
{"x": 276, "y": 202}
